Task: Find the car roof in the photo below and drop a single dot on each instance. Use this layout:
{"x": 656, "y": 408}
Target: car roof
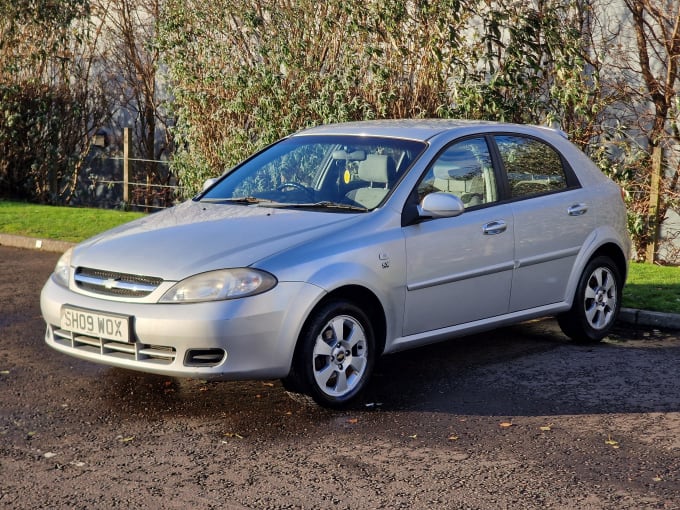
{"x": 418, "y": 129}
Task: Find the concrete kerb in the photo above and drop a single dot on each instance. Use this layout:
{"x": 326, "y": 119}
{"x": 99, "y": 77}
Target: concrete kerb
{"x": 51, "y": 245}
{"x": 628, "y": 315}
{"x": 649, "y": 319}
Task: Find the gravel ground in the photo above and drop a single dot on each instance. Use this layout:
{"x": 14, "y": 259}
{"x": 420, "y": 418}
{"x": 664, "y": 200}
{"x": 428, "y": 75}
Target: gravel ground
{"x": 519, "y": 418}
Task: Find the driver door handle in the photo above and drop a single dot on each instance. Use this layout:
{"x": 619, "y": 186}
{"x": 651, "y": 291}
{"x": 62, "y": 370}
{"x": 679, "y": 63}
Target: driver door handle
{"x": 494, "y": 227}
{"x": 577, "y": 209}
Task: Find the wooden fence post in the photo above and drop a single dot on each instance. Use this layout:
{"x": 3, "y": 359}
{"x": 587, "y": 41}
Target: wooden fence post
{"x": 127, "y": 145}
{"x": 653, "y": 213}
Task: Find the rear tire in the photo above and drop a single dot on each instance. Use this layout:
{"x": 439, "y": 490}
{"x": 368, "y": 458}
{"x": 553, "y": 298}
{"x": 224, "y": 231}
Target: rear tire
{"x": 335, "y": 355}
{"x": 596, "y": 303}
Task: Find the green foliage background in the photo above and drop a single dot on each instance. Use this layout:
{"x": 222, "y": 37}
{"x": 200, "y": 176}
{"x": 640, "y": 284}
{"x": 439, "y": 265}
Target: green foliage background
{"x": 46, "y": 106}
{"x": 239, "y": 74}
{"x": 245, "y": 72}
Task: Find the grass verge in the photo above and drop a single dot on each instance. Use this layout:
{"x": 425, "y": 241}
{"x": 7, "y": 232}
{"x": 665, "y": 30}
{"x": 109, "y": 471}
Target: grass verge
{"x": 649, "y": 287}
{"x": 72, "y": 224}
{"x": 652, "y": 287}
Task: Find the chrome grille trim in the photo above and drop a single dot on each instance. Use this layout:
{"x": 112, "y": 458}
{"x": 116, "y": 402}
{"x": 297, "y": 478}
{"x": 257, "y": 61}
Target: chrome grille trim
{"x": 115, "y": 284}
{"x": 146, "y": 353}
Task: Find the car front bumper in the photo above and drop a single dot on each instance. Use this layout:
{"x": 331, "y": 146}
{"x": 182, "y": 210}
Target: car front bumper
{"x": 248, "y": 338}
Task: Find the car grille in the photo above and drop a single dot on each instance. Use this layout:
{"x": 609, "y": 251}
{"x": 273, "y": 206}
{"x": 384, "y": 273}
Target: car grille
{"x": 115, "y": 284}
{"x": 158, "y": 354}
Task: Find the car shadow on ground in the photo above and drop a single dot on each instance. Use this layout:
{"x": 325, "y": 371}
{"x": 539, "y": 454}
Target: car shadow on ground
{"x": 529, "y": 369}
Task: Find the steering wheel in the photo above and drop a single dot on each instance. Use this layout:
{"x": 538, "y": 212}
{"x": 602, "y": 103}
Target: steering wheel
{"x": 296, "y": 185}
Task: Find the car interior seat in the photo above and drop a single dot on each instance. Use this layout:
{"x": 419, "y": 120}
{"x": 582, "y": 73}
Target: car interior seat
{"x": 376, "y": 172}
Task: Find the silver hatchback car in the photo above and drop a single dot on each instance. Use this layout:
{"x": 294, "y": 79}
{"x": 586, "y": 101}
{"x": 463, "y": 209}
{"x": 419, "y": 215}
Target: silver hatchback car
{"x": 344, "y": 242}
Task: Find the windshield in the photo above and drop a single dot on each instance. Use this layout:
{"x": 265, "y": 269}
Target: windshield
{"x": 349, "y": 173}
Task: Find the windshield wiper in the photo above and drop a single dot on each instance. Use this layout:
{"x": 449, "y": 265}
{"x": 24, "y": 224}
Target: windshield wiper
{"x": 235, "y": 200}
{"x": 250, "y": 200}
{"x": 320, "y": 205}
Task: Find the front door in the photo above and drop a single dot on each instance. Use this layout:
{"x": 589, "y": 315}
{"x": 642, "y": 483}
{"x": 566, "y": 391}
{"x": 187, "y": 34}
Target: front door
{"x": 459, "y": 269}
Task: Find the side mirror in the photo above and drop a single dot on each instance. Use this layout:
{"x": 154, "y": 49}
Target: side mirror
{"x": 440, "y": 205}
{"x": 209, "y": 183}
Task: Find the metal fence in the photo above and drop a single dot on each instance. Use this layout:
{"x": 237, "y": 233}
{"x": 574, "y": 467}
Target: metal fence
{"x": 142, "y": 195}
{"x": 113, "y": 181}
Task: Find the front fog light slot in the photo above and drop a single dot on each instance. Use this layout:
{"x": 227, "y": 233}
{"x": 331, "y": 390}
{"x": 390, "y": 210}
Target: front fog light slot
{"x": 204, "y": 357}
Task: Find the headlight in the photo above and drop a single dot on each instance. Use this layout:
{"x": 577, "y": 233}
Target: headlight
{"x": 62, "y": 271}
{"x": 218, "y": 285}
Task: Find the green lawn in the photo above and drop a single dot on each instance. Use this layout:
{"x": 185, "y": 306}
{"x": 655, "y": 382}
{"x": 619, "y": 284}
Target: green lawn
{"x": 652, "y": 287}
{"x": 649, "y": 287}
{"x": 63, "y": 223}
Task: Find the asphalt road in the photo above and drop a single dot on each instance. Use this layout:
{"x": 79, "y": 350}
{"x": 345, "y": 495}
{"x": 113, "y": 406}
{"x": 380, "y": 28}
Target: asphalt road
{"x": 519, "y": 418}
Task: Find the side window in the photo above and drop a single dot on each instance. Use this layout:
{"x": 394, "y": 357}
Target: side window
{"x": 465, "y": 170}
{"x": 532, "y": 166}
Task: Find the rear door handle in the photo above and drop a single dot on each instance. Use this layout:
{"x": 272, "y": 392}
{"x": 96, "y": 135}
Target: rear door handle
{"x": 577, "y": 209}
{"x": 494, "y": 227}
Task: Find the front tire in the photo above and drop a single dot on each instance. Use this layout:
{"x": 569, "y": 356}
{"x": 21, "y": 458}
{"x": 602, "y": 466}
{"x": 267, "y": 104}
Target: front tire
{"x": 596, "y": 303}
{"x": 335, "y": 355}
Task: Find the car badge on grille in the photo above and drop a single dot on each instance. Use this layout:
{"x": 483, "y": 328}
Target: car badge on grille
{"x": 111, "y": 283}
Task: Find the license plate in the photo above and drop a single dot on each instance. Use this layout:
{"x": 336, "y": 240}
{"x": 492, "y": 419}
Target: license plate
{"x": 97, "y": 324}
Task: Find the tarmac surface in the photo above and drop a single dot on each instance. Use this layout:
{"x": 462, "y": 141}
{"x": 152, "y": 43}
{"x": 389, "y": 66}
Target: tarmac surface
{"x": 518, "y": 418}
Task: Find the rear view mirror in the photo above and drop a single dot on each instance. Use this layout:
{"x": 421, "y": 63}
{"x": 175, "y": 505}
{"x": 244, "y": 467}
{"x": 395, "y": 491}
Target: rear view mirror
{"x": 349, "y": 156}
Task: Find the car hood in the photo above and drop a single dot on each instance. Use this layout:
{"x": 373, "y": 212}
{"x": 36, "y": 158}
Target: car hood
{"x": 195, "y": 237}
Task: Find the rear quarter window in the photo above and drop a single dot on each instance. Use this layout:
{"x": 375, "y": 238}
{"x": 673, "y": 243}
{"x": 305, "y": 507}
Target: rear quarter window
{"x": 532, "y": 166}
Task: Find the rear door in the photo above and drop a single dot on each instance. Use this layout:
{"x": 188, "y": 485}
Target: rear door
{"x": 552, "y": 219}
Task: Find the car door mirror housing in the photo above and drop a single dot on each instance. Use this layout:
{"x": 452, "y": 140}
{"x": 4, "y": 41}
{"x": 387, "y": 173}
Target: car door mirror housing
{"x": 208, "y": 183}
{"x": 440, "y": 205}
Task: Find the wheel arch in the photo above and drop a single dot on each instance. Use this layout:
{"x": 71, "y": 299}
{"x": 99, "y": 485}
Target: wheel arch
{"x": 370, "y": 303}
{"x": 602, "y": 242}
{"x": 615, "y": 253}
{"x": 364, "y": 299}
